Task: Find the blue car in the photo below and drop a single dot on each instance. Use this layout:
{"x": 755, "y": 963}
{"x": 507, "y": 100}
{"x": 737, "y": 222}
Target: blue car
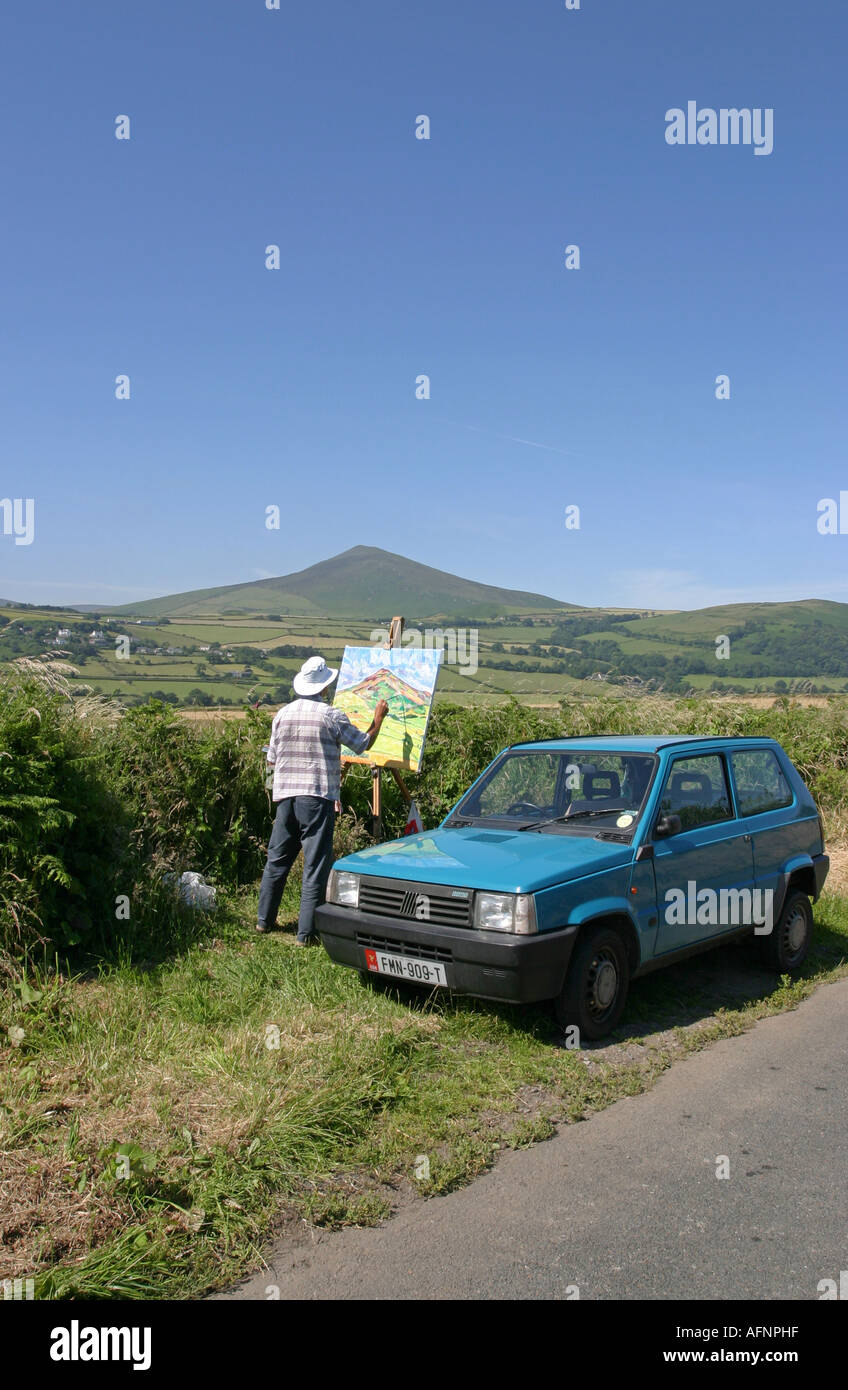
{"x": 572, "y": 866}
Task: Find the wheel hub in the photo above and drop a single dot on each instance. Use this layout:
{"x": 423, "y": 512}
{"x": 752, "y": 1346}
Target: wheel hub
{"x": 604, "y": 984}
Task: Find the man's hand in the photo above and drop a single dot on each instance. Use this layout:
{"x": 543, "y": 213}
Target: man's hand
{"x": 381, "y": 711}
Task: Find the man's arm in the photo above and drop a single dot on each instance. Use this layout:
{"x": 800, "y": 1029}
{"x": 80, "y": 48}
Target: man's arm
{"x": 373, "y": 729}
{"x": 358, "y": 740}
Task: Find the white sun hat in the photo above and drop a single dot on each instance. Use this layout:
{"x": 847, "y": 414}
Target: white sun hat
{"x": 313, "y": 676}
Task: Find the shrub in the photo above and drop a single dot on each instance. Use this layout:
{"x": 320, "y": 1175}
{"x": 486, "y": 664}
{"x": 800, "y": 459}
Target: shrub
{"x": 195, "y": 792}
{"x": 62, "y": 827}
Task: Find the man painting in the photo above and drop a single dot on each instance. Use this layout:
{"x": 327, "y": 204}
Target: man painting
{"x": 305, "y": 753}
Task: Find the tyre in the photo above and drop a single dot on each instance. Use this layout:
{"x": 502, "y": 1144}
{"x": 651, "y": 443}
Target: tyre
{"x": 595, "y": 989}
{"x": 787, "y": 944}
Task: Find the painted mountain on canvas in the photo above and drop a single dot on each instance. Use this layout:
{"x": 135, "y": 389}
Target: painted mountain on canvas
{"x": 386, "y": 685}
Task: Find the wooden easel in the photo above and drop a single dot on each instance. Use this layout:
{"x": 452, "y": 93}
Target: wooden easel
{"x": 395, "y": 634}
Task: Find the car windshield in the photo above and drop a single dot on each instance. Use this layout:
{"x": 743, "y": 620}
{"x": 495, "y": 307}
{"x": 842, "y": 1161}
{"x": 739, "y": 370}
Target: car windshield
{"x": 592, "y": 789}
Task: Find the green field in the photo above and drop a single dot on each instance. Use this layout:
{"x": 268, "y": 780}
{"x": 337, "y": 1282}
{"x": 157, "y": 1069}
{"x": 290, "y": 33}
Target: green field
{"x": 777, "y": 648}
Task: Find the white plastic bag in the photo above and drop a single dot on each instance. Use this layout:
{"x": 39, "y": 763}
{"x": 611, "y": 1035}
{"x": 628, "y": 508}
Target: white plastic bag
{"x": 194, "y": 890}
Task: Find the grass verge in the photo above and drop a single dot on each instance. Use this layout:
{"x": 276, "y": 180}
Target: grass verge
{"x": 160, "y": 1121}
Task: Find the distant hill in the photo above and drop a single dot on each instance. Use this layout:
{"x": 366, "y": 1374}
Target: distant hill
{"x": 364, "y": 581}
{"x": 799, "y": 613}
{"x": 805, "y": 638}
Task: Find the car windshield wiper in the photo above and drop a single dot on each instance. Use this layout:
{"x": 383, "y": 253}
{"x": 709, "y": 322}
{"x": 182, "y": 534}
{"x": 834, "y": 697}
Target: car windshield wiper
{"x": 555, "y": 820}
{"x": 537, "y": 824}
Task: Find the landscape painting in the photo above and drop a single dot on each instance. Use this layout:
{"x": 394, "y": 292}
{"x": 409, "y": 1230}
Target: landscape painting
{"x": 406, "y": 679}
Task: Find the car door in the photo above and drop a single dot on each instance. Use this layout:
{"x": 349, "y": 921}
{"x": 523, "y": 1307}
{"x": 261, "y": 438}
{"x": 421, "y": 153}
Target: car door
{"x": 764, "y": 798}
{"x": 711, "y": 851}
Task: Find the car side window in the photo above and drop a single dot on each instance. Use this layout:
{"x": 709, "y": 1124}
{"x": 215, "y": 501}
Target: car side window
{"x": 696, "y": 791}
{"x": 760, "y": 783}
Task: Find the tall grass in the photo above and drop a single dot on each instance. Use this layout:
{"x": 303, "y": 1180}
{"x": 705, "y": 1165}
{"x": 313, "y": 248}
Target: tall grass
{"x": 62, "y": 826}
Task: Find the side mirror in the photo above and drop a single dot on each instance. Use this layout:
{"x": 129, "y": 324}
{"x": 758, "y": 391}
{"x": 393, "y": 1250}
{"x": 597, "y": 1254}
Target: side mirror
{"x": 667, "y": 825}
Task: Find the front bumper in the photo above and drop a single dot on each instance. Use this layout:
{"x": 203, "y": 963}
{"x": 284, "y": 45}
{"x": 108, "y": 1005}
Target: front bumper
{"x": 513, "y": 969}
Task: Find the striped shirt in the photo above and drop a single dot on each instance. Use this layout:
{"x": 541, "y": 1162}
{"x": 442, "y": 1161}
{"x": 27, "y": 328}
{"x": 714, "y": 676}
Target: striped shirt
{"x": 305, "y": 748}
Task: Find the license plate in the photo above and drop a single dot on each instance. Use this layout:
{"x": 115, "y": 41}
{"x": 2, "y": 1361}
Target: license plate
{"x": 419, "y": 972}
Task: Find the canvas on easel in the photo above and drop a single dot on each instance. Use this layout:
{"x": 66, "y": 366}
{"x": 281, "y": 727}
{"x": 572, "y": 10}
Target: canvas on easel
{"x": 405, "y": 677}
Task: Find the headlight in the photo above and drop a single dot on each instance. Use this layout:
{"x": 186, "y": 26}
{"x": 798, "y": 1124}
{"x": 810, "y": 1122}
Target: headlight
{"x": 343, "y": 888}
{"x": 513, "y": 912}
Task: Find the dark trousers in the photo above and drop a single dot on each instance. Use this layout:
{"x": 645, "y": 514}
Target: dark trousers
{"x": 301, "y": 822}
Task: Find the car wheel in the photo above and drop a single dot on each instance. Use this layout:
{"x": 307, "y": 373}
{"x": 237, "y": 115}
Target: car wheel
{"x": 595, "y": 989}
{"x": 788, "y": 942}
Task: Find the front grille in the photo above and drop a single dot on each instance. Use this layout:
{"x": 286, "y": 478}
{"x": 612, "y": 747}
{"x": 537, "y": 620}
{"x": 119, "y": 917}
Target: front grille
{"x": 404, "y": 948}
{"x": 415, "y": 902}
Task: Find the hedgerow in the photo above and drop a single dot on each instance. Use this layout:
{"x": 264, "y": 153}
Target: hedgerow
{"x": 97, "y": 801}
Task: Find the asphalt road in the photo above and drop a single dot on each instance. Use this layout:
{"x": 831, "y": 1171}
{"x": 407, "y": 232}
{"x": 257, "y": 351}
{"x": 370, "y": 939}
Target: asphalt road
{"x": 628, "y": 1205}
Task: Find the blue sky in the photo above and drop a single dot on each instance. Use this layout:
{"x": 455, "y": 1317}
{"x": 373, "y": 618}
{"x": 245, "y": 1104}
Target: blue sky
{"x": 401, "y": 256}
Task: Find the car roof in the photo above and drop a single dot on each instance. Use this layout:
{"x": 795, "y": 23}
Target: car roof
{"x": 641, "y": 743}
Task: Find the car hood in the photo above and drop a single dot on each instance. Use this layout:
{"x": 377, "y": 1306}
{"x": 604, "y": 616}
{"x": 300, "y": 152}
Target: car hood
{"x": 502, "y": 861}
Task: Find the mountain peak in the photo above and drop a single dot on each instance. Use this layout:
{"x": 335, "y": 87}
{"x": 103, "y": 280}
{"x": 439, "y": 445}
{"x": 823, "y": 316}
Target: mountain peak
{"x": 364, "y": 581}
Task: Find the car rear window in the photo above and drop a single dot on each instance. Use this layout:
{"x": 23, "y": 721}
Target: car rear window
{"x": 760, "y": 783}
